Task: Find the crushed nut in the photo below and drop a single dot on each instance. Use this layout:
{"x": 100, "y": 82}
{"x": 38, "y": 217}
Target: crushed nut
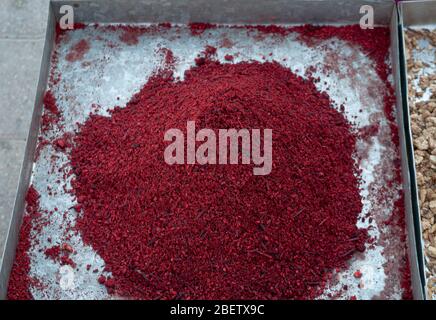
{"x": 422, "y": 102}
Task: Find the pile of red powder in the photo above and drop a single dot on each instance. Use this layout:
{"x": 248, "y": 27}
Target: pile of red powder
{"x": 218, "y": 231}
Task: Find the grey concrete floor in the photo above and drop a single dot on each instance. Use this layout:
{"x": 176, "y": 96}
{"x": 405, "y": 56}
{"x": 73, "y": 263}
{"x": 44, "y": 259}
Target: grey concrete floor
{"x": 22, "y": 33}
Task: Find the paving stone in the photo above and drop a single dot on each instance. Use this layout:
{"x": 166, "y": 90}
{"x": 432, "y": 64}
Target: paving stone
{"x": 11, "y": 158}
{"x": 19, "y": 68}
{"x": 23, "y": 18}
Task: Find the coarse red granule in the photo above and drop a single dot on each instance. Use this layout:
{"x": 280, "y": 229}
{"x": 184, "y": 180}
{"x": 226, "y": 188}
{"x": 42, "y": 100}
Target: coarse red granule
{"x": 61, "y": 254}
{"x": 66, "y": 260}
{"x": 165, "y": 25}
{"x": 51, "y": 114}
{"x": 55, "y": 76}
{"x": 198, "y": 28}
{"x": 406, "y": 279}
{"x": 397, "y": 221}
{"x": 53, "y": 252}
{"x": 217, "y": 231}
{"x": 169, "y": 58}
{"x": 130, "y": 35}
{"x": 207, "y": 54}
{"x": 40, "y": 145}
{"x": 19, "y": 280}
{"x": 375, "y": 43}
{"x": 269, "y": 29}
{"x": 228, "y": 57}
{"x": 50, "y": 103}
{"x": 77, "y": 51}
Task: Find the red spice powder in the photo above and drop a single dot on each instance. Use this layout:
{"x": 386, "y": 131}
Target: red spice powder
{"x": 77, "y": 51}
{"x": 130, "y": 35}
{"x": 228, "y": 57}
{"x": 41, "y": 144}
{"x": 51, "y": 114}
{"x": 206, "y": 55}
{"x": 198, "y": 28}
{"x": 375, "y": 43}
{"x": 169, "y": 59}
{"x": 217, "y": 231}
{"x": 50, "y": 103}
{"x": 53, "y": 252}
{"x": 61, "y": 254}
{"x": 19, "y": 279}
{"x": 165, "y": 25}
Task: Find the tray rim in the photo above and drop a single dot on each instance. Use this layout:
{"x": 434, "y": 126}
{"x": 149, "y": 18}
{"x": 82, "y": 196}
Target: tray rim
{"x": 410, "y": 12}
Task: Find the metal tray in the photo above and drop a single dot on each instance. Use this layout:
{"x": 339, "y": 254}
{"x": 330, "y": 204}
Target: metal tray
{"x": 416, "y": 15}
{"x": 237, "y": 12}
